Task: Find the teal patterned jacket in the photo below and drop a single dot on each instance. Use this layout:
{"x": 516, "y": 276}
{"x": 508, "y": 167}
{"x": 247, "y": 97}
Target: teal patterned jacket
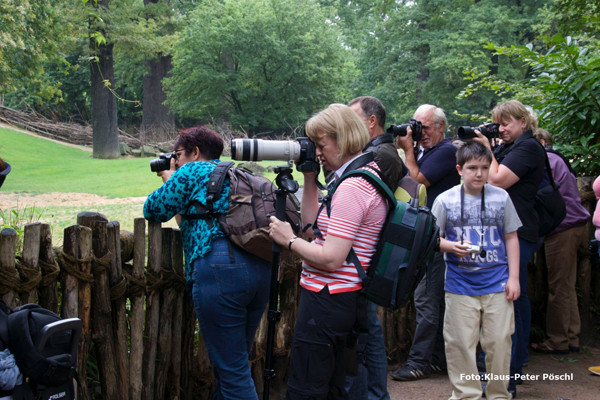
{"x": 187, "y": 184}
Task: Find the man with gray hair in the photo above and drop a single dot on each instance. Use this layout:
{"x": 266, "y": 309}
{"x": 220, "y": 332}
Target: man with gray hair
{"x": 433, "y": 164}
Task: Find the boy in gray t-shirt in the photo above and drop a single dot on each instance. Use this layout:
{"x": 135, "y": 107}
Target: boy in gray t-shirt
{"x": 478, "y": 224}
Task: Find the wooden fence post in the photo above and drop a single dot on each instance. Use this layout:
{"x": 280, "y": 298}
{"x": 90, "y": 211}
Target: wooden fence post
{"x": 9, "y": 277}
{"x": 152, "y": 308}
{"x": 118, "y": 292}
{"x": 101, "y": 311}
{"x": 77, "y": 293}
{"x": 29, "y": 268}
{"x": 137, "y": 286}
{"x": 48, "y": 292}
{"x": 176, "y": 358}
{"x": 166, "y": 316}
{"x": 188, "y": 366}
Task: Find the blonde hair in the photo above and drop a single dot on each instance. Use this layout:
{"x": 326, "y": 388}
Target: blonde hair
{"x": 515, "y": 109}
{"x": 340, "y": 123}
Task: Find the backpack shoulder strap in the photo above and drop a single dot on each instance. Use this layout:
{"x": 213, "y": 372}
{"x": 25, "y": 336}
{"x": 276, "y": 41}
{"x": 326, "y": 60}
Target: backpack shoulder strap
{"x": 385, "y": 191}
{"x": 215, "y": 182}
{"x": 376, "y": 181}
{"x": 554, "y": 184}
{"x": 213, "y": 190}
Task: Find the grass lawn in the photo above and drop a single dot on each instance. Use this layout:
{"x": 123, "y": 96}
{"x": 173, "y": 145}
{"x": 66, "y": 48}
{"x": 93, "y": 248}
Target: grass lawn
{"x": 41, "y": 166}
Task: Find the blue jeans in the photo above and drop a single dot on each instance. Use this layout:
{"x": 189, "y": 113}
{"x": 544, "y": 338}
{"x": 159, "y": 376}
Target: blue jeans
{"x": 520, "y": 339}
{"x": 428, "y": 342}
{"x": 371, "y": 381}
{"x": 230, "y": 299}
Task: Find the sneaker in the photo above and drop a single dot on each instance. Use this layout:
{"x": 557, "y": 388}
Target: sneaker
{"x": 595, "y": 370}
{"x": 513, "y": 391}
{"x": 436, "y": 369}
{"x": 408, "y": 373}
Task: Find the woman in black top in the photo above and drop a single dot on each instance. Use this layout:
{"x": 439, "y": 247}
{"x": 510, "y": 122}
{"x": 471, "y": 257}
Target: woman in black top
{"x": 518, "y": 167}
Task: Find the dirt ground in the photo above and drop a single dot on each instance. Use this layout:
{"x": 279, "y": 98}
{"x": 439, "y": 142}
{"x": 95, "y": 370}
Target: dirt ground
{"x": 10, "y": 200}
{"x": 550, "y": 377}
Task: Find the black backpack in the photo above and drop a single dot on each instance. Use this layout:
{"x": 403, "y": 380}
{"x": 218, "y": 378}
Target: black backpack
{"x": 405, "y": 247}
{"x": 251, "y": 203}
{"x": 45, "y": 350}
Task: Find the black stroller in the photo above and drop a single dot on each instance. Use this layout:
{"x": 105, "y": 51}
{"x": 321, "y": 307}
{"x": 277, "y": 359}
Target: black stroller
{"x": 45, "y": 350}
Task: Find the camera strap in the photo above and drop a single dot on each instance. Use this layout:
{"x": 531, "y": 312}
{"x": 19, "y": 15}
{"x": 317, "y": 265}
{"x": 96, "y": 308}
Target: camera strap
{"x": 378, "y": 140}
{"x": 481, "y": 215}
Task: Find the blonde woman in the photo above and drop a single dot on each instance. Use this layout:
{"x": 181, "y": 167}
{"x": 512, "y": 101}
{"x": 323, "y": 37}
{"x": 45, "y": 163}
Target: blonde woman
{"x": 331, "y": 304}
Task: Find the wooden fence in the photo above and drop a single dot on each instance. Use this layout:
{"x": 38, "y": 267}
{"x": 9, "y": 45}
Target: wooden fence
{"x": 140, "y": 338}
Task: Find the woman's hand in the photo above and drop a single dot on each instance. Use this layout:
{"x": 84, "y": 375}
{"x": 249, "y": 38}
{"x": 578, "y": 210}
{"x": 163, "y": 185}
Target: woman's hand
{"x": 482, "y": 139}
{"x": 166, "y": 174}
{"x": 281, "y": 232}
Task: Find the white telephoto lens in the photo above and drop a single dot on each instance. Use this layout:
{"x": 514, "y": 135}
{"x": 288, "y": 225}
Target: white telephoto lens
{"x": 259, "y": 149}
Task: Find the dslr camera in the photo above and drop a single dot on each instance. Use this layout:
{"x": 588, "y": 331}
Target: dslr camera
{"x": 302, "y": 151}
{"x": 400, "y": 130}
{"x": 488, "y": 130}
{"x": 162, "y": 163}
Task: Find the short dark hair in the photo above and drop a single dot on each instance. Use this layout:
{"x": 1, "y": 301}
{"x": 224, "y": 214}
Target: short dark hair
{"x": 472, "y": 151}
{"x": 370, "y": 106}
{"x": 209, "y": 143}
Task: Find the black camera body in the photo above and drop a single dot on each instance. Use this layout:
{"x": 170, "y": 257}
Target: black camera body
{"x": 400, "y": 130}
{"x": 490, "y": 131}
{"x": 162, "y": 163}
{"x": 308, "y": 155}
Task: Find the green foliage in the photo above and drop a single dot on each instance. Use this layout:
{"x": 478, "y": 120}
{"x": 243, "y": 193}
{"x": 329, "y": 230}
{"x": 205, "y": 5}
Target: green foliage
{"x": 563, "y": 88}
{"x": 418, "y": 51}
{"x": 32, "y": 33}
{"x": 17, "y": 218}
{"x": 260, "y": 64}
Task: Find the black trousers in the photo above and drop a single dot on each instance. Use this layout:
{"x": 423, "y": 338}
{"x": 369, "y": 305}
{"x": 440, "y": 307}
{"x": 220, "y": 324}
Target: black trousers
{"x": 324, "y": 343}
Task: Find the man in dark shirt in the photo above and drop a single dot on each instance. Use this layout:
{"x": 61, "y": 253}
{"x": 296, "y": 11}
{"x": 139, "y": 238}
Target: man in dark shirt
{"x": 372, "y": 112}
{"x": 434, "y": 165}
{"x": 371, "y": 381}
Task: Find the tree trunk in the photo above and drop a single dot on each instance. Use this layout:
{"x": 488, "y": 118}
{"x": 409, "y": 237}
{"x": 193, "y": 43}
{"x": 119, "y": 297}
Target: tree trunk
{"x": 105, "y": 141}
{"x": 157, "y": 120}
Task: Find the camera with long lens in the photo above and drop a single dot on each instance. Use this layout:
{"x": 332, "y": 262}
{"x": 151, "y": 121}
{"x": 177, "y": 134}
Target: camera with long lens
{"x": 302, "y": 151}
{"x": 401, "y": 130}
{"x": 490, "y": 131}
{"x": 162, "y": 163}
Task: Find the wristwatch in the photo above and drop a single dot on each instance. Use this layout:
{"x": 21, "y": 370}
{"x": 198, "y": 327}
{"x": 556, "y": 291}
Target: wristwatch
{"x": 292, "y": 240}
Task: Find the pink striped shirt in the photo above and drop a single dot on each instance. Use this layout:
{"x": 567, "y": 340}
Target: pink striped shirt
{"x": 357, "y": 213}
